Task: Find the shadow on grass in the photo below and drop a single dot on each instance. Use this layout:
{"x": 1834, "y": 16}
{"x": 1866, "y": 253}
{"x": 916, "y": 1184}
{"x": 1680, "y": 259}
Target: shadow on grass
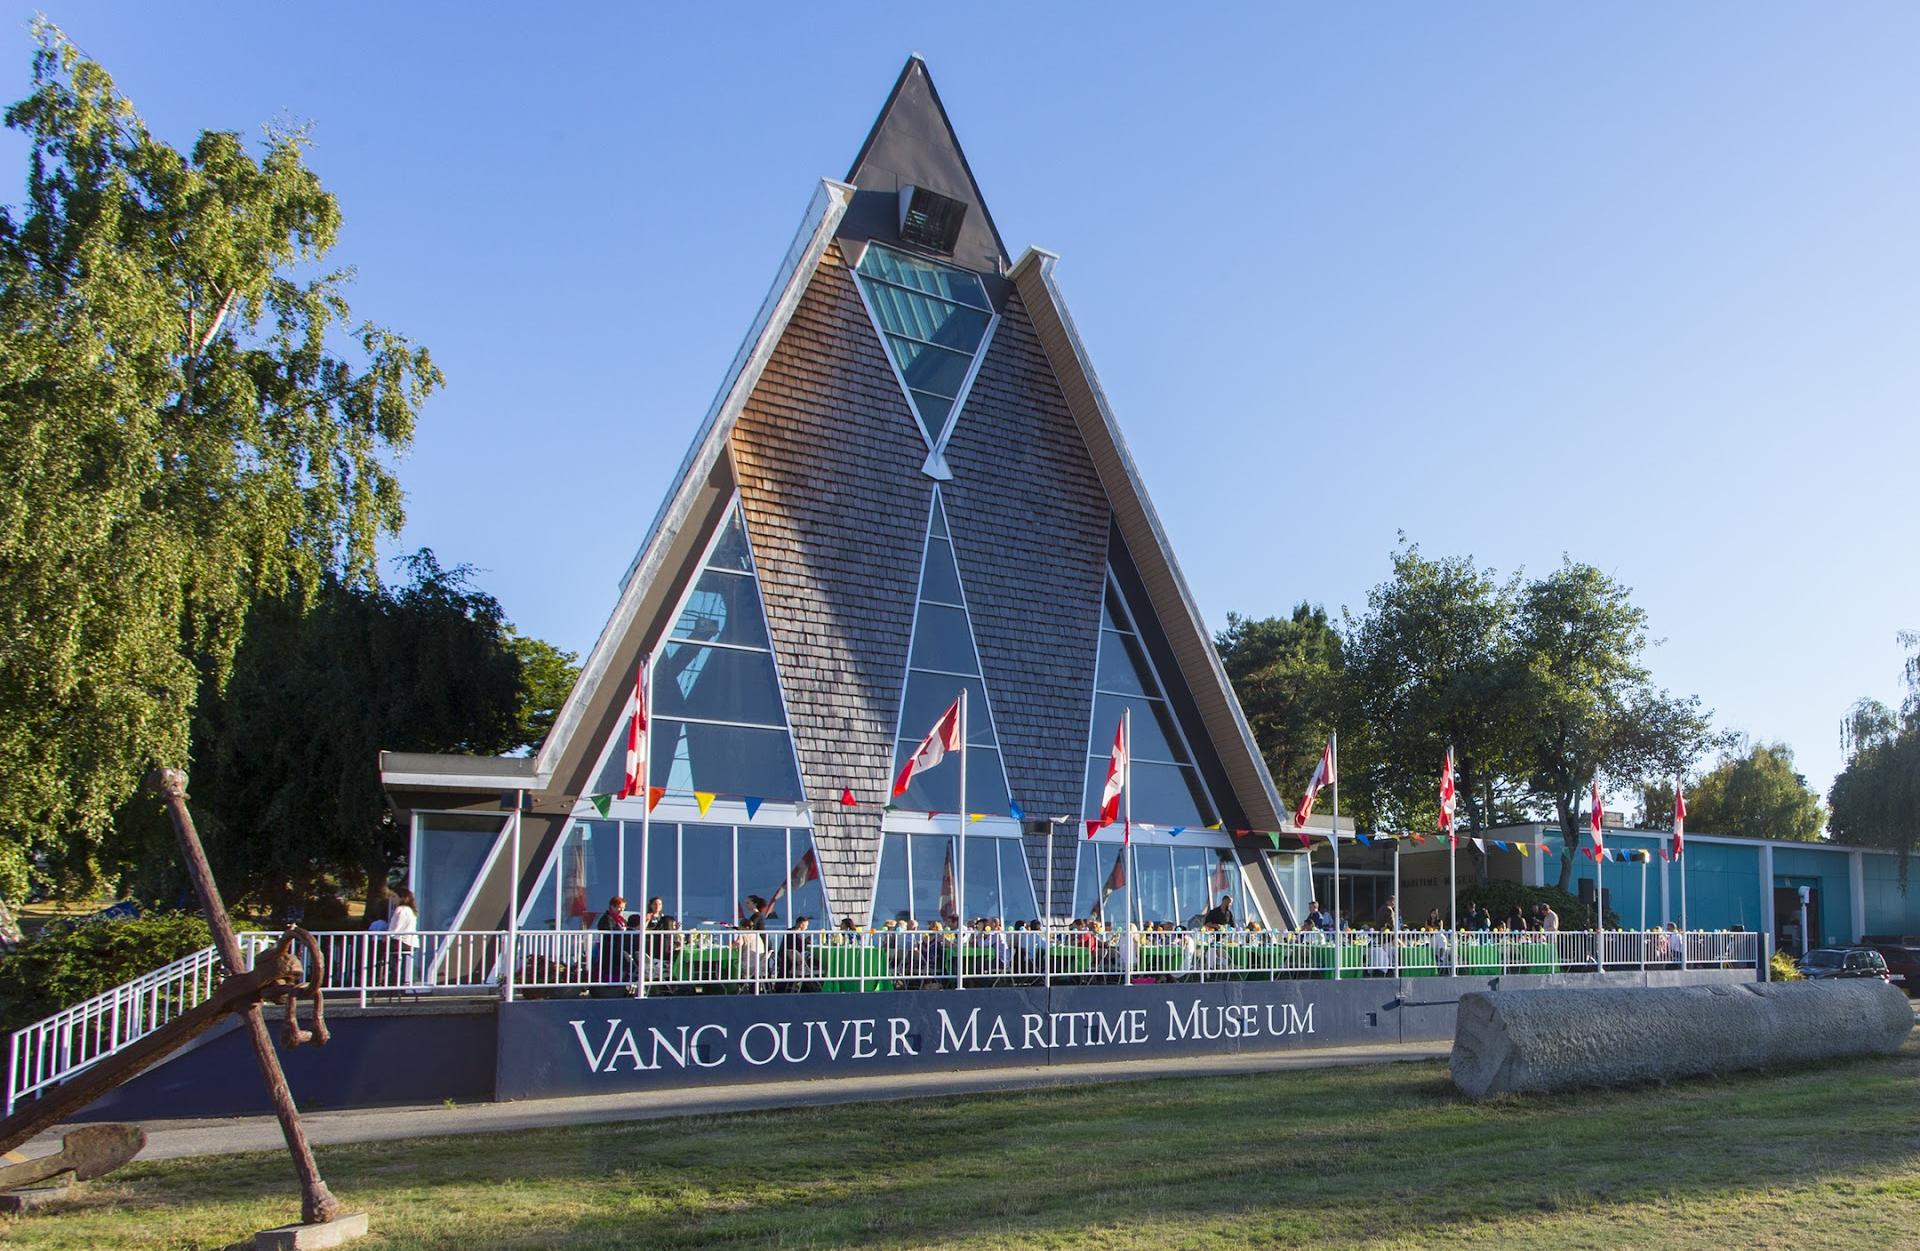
{"x": 1333, "y": 1157}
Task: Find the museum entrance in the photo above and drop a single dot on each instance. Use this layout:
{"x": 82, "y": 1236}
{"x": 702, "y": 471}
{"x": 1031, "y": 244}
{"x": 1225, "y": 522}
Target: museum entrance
{"x": 1787, "y": 934}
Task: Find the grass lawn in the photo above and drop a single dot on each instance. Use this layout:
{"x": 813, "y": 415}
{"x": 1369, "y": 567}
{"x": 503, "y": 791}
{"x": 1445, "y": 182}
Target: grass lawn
{"x": 1385, "y": 1157}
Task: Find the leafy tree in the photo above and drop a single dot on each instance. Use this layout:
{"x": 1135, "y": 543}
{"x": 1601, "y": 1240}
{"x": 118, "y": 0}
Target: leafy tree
{"x": 1875, "y": 801}
{"x": 1755, "y": 794}
{"x": 1656, "y": 805}
{"x": 1586, "y": 704}
{"x": 285, "y": 787}
{"x": 546, "y": 678}
{"x": 1430, "y": 664}
{"x": 189, "y": 421}
{"x": 1287, "y": 675}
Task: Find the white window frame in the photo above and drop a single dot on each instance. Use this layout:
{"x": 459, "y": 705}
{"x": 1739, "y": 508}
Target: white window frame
{"x": 1209, "y": 840}
{"x": 936, "y": 462}
{"x": 996, "y": 834}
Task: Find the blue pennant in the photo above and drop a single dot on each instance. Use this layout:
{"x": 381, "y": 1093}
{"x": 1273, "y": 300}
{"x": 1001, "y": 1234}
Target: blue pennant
{"x": 753, "y": 805}
{"x": 1364, "y": 840}
{"x": 1497, "y": 843}
{"x": 1175, "y": 831}
{"x": 1013, "y": 810}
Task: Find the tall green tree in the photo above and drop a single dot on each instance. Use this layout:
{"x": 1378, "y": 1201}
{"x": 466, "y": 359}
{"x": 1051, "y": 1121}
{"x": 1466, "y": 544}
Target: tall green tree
{"x": 1430, "y": 665}
{"x": 1287, "y": 674}
{"x": 1586, "y": 705}
{"x": 285, "y": 783}
{"x": 190, "y": 421}
{"x": 1755, "y": 793}
{"x": 1875, "y": 800}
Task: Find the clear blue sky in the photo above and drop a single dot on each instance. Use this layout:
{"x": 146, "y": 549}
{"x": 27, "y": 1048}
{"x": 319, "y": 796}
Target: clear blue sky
{"x": 1639, "y": 283}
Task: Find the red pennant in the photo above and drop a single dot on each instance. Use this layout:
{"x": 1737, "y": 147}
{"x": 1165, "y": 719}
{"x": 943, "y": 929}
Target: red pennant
{"x": 1093, "y": 828}
{"x": 1304, "y": 840}
{"x": 654, "y": 795}
{"x": 847, "y": 800}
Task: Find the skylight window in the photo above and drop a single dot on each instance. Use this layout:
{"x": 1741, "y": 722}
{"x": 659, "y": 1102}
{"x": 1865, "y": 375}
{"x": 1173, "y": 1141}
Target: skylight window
{"x": 934, "y": 320}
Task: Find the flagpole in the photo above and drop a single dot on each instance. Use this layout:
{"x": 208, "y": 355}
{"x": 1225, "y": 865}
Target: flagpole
{"x": 1599, "y": 889}
{"x": 1126, "y": 843}
{"x": 1643, "y": 912}
{"x": 1680, "y": 854}
{"x": 646, "y": 813}
{"x": 960, "y": 886}
{"x": 1333, "y": 755}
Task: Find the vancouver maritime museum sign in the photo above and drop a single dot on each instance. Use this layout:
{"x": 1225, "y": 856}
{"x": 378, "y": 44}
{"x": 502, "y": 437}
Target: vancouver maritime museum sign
{"x": 585, "y": 1046}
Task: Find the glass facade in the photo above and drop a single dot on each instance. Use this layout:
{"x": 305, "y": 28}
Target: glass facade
{"x": 933, "y": 319}
{"x": 701, "y": 873}
{"x": 1166, "y": 787}
{"x": 920, "y": 876}
{"x": 941, "y": 665}
{"x": 718, "y": 722}
{"x": 1167, "y": 882}
{"x": 448, "y": 850}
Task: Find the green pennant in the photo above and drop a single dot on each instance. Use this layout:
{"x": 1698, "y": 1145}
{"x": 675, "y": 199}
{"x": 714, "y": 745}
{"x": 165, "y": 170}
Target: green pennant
{"x": 601, "y": 803}
{"x": 1275, "y": 840}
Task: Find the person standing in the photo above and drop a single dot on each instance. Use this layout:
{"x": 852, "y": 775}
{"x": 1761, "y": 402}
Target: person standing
{"x": 403, "y": 937}
{"x": 1221, "y": 914}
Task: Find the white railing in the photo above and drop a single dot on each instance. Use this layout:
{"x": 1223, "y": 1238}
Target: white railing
{"x": 374, "y": 966}
{"x": 50, "y": 1051}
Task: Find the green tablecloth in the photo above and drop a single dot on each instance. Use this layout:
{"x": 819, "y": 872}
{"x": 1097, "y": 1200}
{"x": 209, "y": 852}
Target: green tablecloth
{"x": 1478, "y": 960}
{"x": 1067, "y": 958}
{"x": 1540, "y": 957}
{"x": 1159, "y": 958}
{"x": 1418, "y": 961}
{"x": 705, "y": 965}
{"x": 852, "y": 968}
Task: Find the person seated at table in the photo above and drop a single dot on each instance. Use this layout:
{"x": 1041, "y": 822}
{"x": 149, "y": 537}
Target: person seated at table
{"x": 1388, "y": 917}
{"x": 1317, "y": 918}
{"x": 1434, "y": 920}
{"x": 795, "y": 961}
{"x": 1221, "y": 914}
{"x": 656, "y": 908}
{"x": 848, "y": 925}
{"x": 1517, "y": 921}
{"x": 1477, "y": 918}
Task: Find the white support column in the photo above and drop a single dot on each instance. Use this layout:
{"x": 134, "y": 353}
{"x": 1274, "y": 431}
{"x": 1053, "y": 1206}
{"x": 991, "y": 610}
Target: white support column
{"x": 1666, "y": 908}
{"x": 1857, "y": 891}
{"x": 1766, "y": 889}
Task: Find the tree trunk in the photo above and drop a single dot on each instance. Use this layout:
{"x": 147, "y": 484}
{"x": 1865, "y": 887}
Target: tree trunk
{"x": 9, "y": 927}
{"x": 1569, "y": 837}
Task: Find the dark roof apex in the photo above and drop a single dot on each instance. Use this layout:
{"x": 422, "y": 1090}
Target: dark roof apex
{"x": 912, "y": 143}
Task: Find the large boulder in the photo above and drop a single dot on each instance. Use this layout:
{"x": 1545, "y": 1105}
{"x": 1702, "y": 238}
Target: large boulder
{"x": 1546, "y": 1040}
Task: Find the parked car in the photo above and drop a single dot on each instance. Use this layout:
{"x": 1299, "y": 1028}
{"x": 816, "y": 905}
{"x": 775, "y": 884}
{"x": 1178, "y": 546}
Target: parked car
{"x": 1902, "y": 954}
{"x": 1824, "y": 962}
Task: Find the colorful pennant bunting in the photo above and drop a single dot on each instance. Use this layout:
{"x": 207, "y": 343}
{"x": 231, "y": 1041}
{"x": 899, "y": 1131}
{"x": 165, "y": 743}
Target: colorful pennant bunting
{"x": 704, "y": 799}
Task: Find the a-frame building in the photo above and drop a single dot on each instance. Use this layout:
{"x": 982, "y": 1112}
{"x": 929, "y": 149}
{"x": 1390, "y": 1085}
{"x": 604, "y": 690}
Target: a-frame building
{"x": 909, "y": 485}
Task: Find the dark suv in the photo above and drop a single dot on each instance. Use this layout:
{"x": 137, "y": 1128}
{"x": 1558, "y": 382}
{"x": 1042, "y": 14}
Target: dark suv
{"x": 1827, "y": 962}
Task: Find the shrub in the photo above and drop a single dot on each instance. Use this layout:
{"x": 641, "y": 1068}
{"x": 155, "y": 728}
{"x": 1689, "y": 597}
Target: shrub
{"x": 1501, "y": 898}
{"x": 1783, "y": 969}
{"x": 55, "y": 969}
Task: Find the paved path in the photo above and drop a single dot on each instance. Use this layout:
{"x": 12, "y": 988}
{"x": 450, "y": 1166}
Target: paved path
{"x": 168, "y": 1140}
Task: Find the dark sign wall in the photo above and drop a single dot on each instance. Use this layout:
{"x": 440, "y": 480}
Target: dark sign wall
{"x": 593, "y": 1046}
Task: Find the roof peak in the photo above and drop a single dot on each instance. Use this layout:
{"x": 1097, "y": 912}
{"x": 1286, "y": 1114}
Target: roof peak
{"x": 912, "y": 143}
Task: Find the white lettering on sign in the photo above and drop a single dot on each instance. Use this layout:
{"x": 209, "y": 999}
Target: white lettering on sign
{"x": 623, "y": 1048}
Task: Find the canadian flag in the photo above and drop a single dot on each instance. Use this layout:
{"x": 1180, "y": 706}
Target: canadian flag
{"x": 941, "y": 739}
{"x": 1117, "y": 772}
{"x": 1679, "y": 817}
{"x": 806, "y": 869}
{"x": 1595, "y": 820}
{"x": 1448, "y": 799}
{"x": 636, "y": 779}
{"x": 1322, "y": 776}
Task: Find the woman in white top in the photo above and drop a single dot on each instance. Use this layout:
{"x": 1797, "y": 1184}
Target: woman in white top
{"x": 403, "y": 925}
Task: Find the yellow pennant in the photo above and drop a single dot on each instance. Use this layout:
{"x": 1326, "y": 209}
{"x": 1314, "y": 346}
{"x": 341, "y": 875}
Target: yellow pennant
{"x": 1521, "y": 848}
{"x": 976, "y": 816}
{"x": 704, "y": 799}
{"x": 1214, "y": 826}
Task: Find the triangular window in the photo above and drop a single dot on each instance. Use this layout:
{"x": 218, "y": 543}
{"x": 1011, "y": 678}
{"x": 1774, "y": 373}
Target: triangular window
{"x": 941, "y": 663}
{"x": 719, "y": 722}
{"x": 935, "y": 321}
{"x": 1167, "y": 789}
